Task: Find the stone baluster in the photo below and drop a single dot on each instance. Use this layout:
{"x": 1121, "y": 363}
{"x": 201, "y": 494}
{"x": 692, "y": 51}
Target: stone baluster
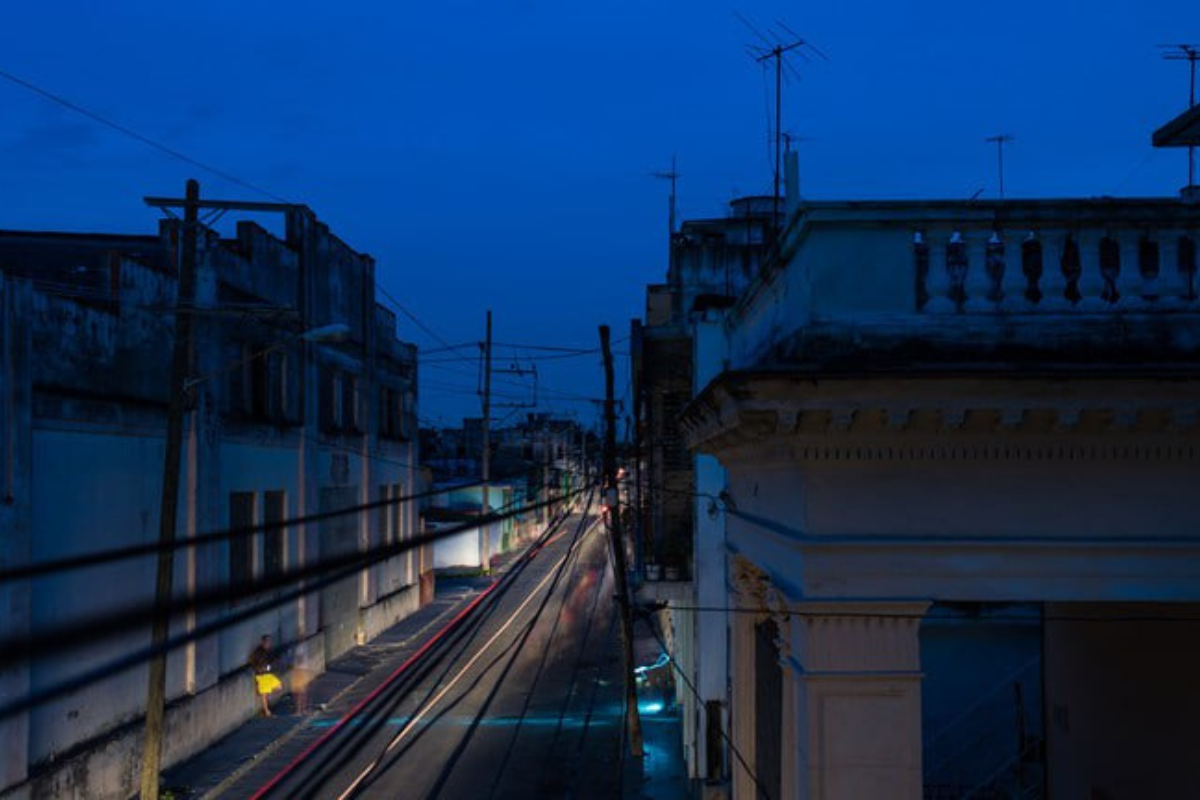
{"x": 938, "y": 280}
{"x": 1091, "y": 282}
{"x": 1014, "y": 284}
{"x": 1172, "y": 287}
{"x": 977, "y": 284}
{"x": 1053, "y": 283}
{"x": 1130, "y": 283}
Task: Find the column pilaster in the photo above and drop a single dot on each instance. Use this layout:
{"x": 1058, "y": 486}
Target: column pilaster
{"x": 855, "y": 671}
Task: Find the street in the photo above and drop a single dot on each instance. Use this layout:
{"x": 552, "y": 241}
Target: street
{"x": 523, "y": 699}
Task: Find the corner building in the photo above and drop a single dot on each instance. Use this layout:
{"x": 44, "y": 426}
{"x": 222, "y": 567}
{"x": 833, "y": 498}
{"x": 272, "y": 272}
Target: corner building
{"x": 951, "y": 452}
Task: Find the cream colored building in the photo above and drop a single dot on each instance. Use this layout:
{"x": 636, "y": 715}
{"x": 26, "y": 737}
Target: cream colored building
{"x": 945, "y": 433}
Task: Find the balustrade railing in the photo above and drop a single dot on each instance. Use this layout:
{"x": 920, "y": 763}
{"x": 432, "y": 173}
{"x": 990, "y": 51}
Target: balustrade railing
{"x": 1054, "y": 270}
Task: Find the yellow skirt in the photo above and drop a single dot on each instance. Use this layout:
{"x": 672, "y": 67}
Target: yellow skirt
{"x": 267, "y": 683}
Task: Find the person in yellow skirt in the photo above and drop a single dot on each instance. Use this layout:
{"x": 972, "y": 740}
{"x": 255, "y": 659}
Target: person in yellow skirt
{"x": 265, "y": 681}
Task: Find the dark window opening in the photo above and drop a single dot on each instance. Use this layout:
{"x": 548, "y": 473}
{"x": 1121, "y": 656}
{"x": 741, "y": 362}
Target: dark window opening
{"x": 241, "y": 545}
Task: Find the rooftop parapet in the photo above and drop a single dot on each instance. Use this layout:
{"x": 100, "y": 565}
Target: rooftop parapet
{"x": 1004, "y": 269}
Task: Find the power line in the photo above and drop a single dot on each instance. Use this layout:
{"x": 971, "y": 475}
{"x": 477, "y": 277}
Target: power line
{"x": 132, "y": 134}
{"x": 432, "y": 333}
{"x": 21, "y": 648}
{"x": 460, "y": 630}
{"x": 71, "y": 563}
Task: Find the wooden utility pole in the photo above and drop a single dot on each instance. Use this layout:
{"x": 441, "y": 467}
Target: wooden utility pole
{"x": 181, "y": 352}
{"x": 486, "y": 456}
{"x": 612, "y": 500}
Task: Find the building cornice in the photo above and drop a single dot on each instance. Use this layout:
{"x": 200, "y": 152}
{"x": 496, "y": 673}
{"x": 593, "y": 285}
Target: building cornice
{"x": 798, "y": 416}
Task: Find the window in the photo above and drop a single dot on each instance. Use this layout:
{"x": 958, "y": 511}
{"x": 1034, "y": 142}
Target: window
{"x": 274, "y": 538}
{"x": 391, "y": 414}
{"x": 259, "y": 388}
{"x": 241, "y": 545}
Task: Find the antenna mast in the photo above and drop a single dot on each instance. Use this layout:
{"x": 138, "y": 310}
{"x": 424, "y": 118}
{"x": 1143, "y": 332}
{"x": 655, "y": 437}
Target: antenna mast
{"x": 671, "y": 175}
{"x": 777, "y": 47}
{"x": 1000, "y": 139}
{"x": 1189, "y": 53}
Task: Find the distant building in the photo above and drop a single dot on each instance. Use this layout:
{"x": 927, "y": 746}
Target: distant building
{"x": 277, "y": 428}
{"x": 943, "y": 515}
{"x": 535, "y": 460}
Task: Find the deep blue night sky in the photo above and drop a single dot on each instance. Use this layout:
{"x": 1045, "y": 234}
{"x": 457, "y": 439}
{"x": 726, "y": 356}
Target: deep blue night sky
{"x": 499, "y": 154}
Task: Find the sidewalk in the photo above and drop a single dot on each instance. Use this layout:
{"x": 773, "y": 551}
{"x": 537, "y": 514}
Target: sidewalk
{"x": 662, "y": 772}
{"x": 219, "y": 768}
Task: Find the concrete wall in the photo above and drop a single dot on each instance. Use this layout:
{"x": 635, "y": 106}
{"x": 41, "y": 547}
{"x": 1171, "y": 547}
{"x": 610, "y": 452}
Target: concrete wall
{"x": 74, "y": 508}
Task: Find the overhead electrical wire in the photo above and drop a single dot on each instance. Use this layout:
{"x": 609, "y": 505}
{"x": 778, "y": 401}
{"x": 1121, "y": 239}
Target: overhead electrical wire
{"x": 326, "y": 573}
{"x": 69, "y": 563}
{"x": 132, "y": 134}
{"x": 516, "y": 645}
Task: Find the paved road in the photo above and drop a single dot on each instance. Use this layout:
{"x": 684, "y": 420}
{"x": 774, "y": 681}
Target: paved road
{"x": 523, "y": 700}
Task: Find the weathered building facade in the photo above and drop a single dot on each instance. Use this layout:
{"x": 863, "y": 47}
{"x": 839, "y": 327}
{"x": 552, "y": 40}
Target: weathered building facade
{"x": 948, "y": 504}
{"x": 277, "y": 427}
{"x": 712, "y": 261}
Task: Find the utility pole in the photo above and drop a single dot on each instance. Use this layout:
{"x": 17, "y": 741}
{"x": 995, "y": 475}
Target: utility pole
{"x": 1000, "y": 139}
{"x": 612, "y": 500}
{"x": 181, "y": 353}
{"x": 486, "y": 456}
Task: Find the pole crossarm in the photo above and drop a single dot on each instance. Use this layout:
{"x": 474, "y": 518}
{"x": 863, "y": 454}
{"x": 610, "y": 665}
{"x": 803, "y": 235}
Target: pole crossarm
{"x": 227, "y": 205}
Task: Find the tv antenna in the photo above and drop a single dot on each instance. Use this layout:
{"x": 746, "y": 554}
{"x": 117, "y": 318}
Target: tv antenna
{"x": 779, "y": 45}
{"x": 1000, "y": 139}
{"x": 1189, "y": 53}
{"x": 671, "y": 175}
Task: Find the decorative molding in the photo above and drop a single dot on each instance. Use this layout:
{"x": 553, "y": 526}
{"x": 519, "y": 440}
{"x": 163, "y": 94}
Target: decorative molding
{"x": 776, "y": 419}
{"x": 975, "y": 451}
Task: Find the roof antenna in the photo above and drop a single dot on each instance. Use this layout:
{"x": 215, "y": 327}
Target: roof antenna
{"x": 671, "y": 175}
{"x": 1000, "y": 139}
{"x": 1189, "y": 53}
{"x": 777, "y": 47}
